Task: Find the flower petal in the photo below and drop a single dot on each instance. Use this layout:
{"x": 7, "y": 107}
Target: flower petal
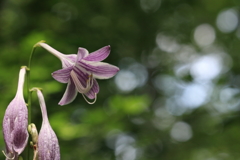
{"x": 20, "y": 137}
{"x": 72, "y": 57}
{"x": 15, "y": 120}
{"x": 48, "y": 146}
{"x": 100, "y": 70}
{"x": 7, "y": 132}
{"x": 70, "y": 94}
{"x": 51, "y": 50}
{"x": 19, "y": 133}
{"x": 68, "y": 60}
{"x": 62, "y": 75}
{"x": 82, "y": 52}
{"x": 78, "y": 81}
{"x": 15, "y": 125}
{"x": 42, "y": 105}
{"x": 91, "y": 94}
{"x": 82, "y": 80}
{"x": 82, "y": 76}
{"x": 99, "y": 55}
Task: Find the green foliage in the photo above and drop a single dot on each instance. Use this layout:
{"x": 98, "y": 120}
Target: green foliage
{"x": 132, "y": 105}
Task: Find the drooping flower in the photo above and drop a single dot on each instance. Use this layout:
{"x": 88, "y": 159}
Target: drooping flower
{"x": 81, "y": 71}
{"x": 15, "y": 122}
{"x": 48, "y": 147}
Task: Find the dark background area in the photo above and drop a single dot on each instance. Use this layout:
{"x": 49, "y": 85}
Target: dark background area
{"x": 176, "y": 96}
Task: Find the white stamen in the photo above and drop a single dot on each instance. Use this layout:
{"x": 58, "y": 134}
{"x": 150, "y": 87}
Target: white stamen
{"x": 78, "y": 84}
{"x": 95, "y": 99}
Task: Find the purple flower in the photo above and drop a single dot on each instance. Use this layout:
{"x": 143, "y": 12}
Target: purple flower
{"x": 15, "y": 122}
{"x": 48, "y": 147}
{"x": 81, "y": 71}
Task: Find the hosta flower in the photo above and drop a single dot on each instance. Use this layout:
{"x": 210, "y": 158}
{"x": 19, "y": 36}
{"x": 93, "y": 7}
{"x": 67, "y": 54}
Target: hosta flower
{"x": 15, "y": 122}
{"x": 81, "y": 71}
{"x": 48, "y": 147}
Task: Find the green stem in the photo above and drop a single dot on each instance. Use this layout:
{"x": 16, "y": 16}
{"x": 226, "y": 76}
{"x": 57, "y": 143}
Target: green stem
{"x": 28, "y": 87}
{"x": 28, "y": 82}
{"x": 29, "y": 94}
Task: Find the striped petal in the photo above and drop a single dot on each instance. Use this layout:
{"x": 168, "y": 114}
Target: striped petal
{"x": 70, "y": 94}
{"x": 82, "y": 81}
{"x": 100, "y": 70}
{"x": 91, "y": 94}
{"x": 71, "y": 57}
{"x": 62, "y": 75}
{"x": 82, "y": 76}
{"x": 7, "y": 129}
{"x": 99, "y": 55}
{"x": 82, "y": 52}
{"x": 68, "y": 60}
{"x": 20, "y": 134}
{"x": 48, "y": 146}
{"x": 15, "y": 121}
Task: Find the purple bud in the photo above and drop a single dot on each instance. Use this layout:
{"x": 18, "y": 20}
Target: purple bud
{"x": 48, "y": 147}
{"x": 15, "y": 122}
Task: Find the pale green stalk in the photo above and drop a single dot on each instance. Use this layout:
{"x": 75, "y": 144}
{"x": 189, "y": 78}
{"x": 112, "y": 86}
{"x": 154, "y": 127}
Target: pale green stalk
{"x": 29, "y": 102}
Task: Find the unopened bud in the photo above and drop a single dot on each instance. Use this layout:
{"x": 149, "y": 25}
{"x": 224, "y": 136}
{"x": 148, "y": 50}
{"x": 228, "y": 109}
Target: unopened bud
{"x": 15, "y": 122}
{"x": 32, "y": 129}
{"x": 48, "y": 147}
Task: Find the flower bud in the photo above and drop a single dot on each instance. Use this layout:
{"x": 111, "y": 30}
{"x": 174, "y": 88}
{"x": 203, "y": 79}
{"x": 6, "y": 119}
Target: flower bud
{"x": 32, "y": 129}
{"x": 15, "y": 122}
{"x": 48, "y": 147}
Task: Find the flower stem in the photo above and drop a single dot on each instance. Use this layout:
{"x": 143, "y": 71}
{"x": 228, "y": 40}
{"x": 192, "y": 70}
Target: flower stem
{"x": 29, "y": 95}
{"x": 28, "y": 87}
{"x": 28, "y": 83}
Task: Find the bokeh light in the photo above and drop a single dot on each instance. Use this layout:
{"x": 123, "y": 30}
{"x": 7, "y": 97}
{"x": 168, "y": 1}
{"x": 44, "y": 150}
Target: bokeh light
{"x": 131, "y": 75}
{"x": 204, "y": 35}
{"x": 207, "y": 67}
{"x": 150, "y": 5}
{"x": 181, "y": 132}
{"x": 227, "y": 20}
{"x": 167, "y": 43}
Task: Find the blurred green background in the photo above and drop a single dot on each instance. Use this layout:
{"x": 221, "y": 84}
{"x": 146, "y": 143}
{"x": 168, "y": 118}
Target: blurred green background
{"x": 176, "y": 96}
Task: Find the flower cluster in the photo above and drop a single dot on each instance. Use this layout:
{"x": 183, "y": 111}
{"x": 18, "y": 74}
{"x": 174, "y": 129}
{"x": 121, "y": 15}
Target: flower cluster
{"x": 80, "y": 72}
